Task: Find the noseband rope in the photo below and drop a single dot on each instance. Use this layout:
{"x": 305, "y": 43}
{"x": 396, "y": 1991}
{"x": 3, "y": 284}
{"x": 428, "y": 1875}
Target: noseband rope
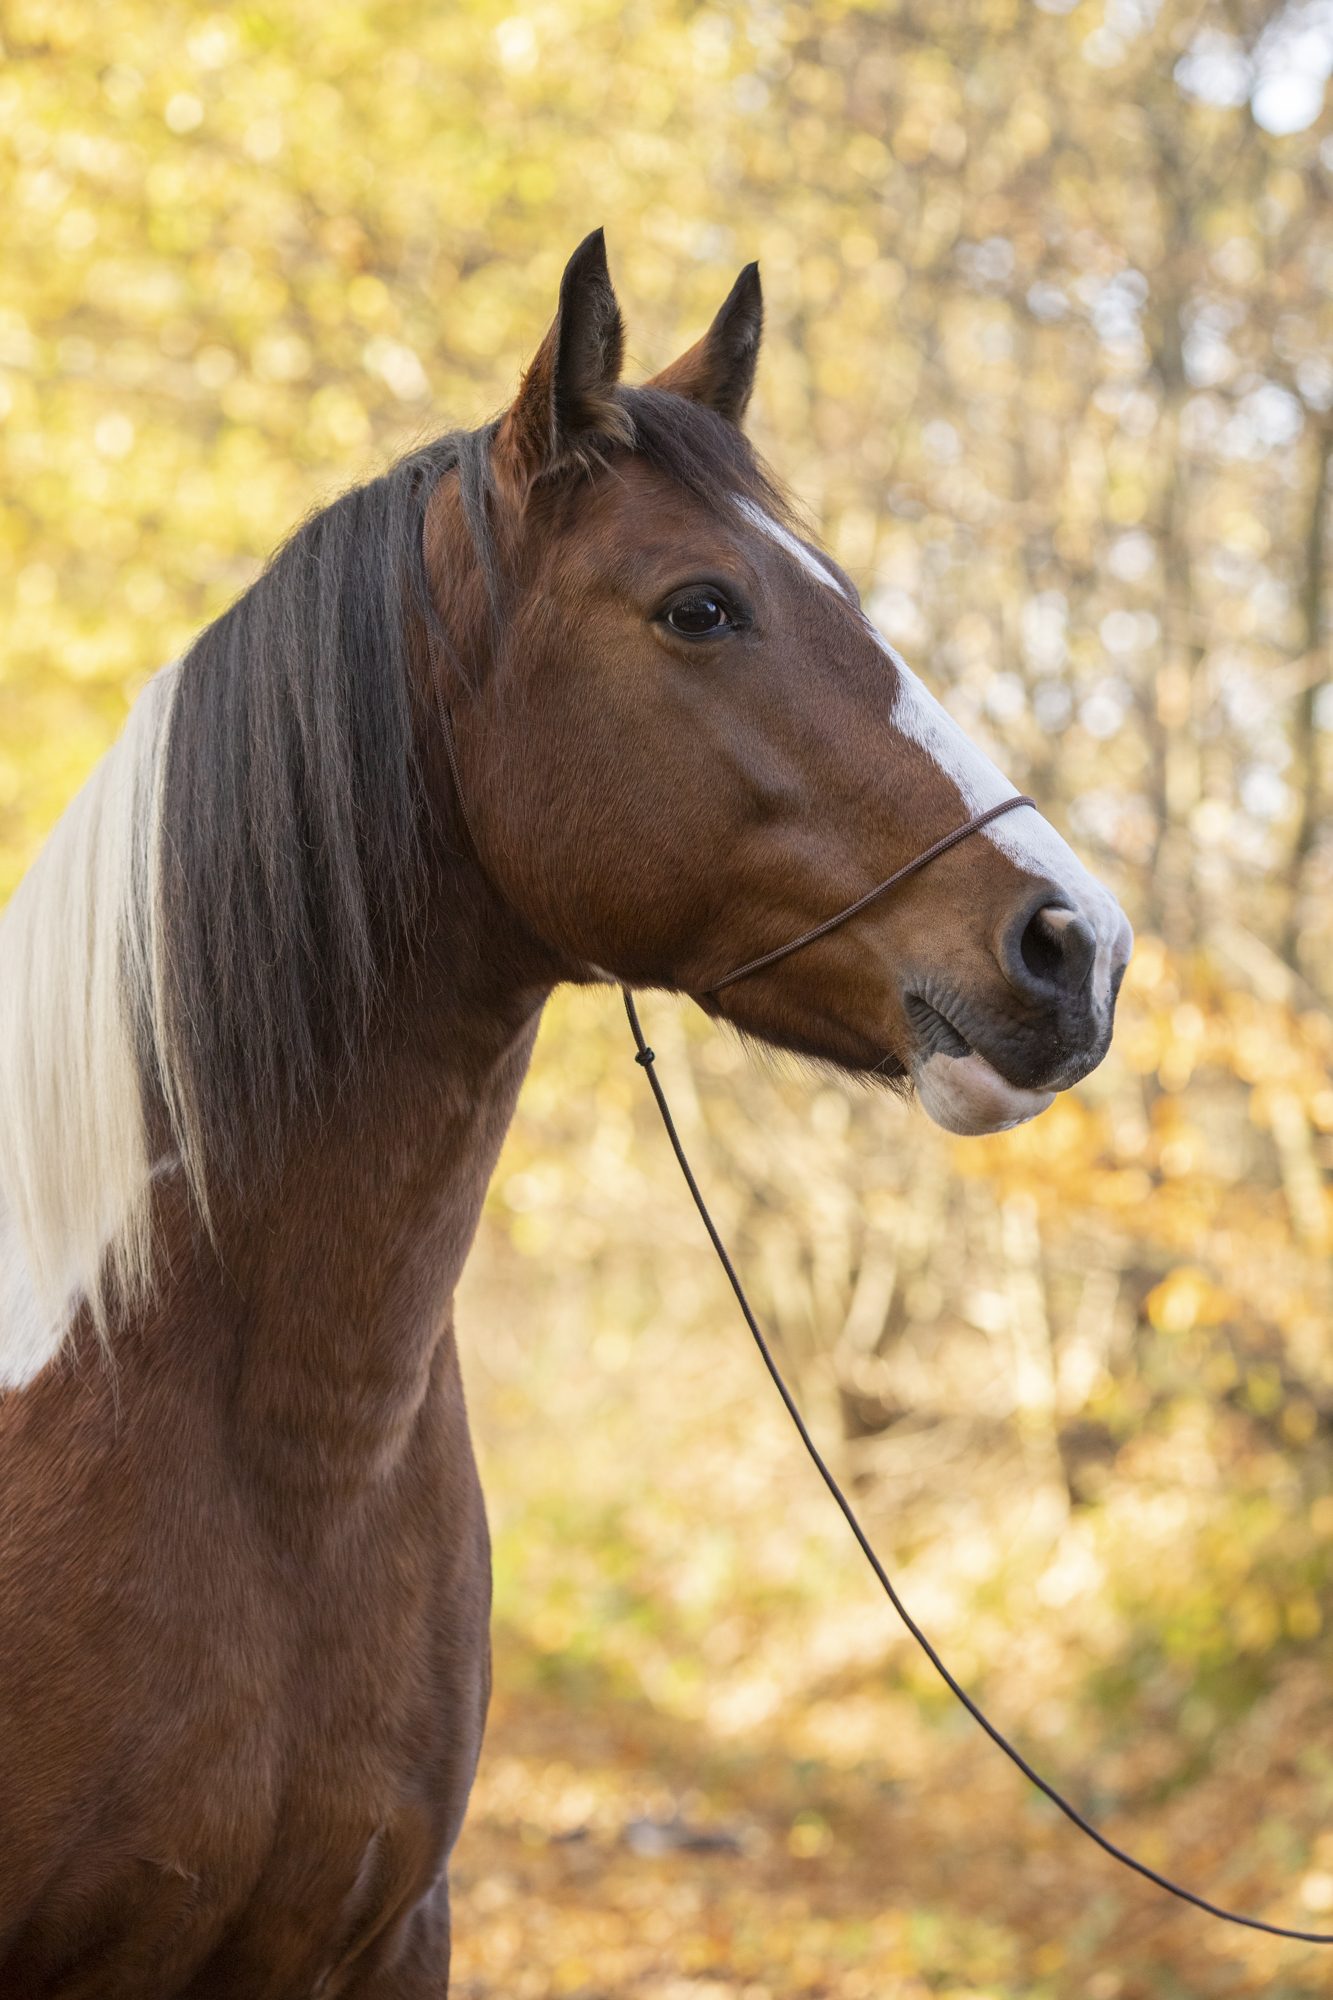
{"x": 646, "y": 1059}
{"x": 932, "y": 853}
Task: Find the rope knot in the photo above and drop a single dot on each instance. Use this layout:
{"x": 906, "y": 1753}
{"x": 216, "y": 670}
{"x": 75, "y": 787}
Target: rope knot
{"x": 645, "y": 1057}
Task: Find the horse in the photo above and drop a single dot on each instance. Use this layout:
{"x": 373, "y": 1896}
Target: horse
{"x": 568, "y": 698}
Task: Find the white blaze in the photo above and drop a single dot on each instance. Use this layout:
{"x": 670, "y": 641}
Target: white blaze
{"x": 1028, "y": 840}
{"x": 809, "y": 559}
{"x": 964, "y": 1093}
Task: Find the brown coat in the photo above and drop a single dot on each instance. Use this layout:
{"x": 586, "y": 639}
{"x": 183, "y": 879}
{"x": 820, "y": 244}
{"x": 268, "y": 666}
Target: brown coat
{"x": 625, "y": 727}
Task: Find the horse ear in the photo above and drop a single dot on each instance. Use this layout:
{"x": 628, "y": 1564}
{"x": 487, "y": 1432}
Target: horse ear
{"x": 567, "y": 395}
{"x": 719, "y": 369}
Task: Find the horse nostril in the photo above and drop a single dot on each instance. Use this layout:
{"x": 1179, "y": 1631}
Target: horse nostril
{"x": 1055, "y": 950}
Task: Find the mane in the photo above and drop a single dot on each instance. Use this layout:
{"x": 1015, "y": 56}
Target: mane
{"x": 198, "y": 948}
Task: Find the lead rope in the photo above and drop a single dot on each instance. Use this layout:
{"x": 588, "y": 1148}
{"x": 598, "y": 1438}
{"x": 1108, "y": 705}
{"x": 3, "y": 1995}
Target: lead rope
{"x": 646, "y": 1059}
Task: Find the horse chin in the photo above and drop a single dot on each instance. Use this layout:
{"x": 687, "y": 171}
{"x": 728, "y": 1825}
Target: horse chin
{"x": 965, "y": 1094}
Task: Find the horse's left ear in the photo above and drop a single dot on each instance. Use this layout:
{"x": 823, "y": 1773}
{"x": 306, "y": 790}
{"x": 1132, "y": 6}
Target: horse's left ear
{"x": 567, "y": 398}
{"x": 719, "y": 369}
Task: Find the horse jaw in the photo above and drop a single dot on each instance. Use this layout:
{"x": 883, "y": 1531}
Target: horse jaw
{"x": 965, "y": 1094}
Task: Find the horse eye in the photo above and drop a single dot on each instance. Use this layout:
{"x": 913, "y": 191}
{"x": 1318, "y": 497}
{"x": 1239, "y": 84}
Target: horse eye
{"x": 699, "y": 615}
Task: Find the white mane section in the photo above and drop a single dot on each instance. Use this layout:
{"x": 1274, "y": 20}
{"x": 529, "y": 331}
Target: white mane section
{"x": 80, "y": 993}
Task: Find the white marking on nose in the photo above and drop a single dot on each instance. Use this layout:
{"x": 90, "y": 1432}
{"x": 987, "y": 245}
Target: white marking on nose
{"x": 1030, "y": 841}
{"x": 810, "y": 561}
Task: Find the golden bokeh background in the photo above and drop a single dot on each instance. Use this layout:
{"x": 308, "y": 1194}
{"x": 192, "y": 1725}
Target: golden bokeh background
{"x": 1050, "y": 366}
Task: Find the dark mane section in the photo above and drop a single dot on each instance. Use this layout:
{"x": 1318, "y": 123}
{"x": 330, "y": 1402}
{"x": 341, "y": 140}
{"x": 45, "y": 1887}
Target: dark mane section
{"x": 292, "y": 807}
{"x": 291, "y": 812}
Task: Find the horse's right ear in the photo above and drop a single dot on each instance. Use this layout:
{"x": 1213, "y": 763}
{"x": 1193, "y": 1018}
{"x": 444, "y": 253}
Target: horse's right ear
{"x": 718, "y": 370}
{"x": 567, "y": 397}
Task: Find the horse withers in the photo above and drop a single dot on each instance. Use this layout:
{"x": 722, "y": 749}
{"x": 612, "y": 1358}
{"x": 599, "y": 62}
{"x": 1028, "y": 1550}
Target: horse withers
{"x": 566, "y": 698}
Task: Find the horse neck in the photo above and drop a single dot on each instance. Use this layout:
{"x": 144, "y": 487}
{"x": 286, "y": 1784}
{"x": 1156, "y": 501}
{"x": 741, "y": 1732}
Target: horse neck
{"x": 340, "y": 1277}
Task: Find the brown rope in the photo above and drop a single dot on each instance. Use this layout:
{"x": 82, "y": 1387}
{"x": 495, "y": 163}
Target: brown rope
{"x": 646, "y": 1059}
{"x": 933, "y": 853}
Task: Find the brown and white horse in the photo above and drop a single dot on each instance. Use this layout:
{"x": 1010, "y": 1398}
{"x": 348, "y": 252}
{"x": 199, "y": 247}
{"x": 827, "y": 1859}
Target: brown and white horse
{"x": 568, "y": 698}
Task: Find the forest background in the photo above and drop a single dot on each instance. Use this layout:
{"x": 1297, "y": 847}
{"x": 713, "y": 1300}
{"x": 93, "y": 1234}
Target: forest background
{"x": 1050, "y": 367}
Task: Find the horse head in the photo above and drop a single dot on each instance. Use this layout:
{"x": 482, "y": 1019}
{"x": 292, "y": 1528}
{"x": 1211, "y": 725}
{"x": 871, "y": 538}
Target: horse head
{"x": 686, "y": 743}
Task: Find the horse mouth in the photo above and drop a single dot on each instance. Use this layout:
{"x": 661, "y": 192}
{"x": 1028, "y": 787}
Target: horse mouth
{"x": 935, "y": 1034}
{"x": 958, "y": 1088}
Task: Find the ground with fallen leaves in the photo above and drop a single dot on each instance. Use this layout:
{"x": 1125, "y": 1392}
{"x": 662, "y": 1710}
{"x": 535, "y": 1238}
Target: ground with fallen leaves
{"x": 716, "y": 1770}
{"x": 611, "y": 1852}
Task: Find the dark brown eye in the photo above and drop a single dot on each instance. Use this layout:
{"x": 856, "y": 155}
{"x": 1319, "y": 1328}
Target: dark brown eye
{"x": 700, "y": 615}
